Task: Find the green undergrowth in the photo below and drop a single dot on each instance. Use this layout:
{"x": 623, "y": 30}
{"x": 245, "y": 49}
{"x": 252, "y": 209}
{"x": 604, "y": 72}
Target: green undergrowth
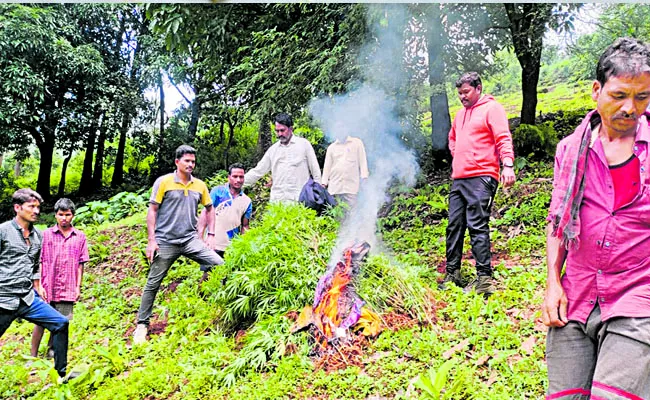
{"x": 229, "y": 338}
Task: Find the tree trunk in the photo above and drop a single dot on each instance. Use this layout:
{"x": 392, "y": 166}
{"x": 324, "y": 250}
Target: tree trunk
{"x": 118, "y": 171}
{"x": 529, "y": 80}
{"x": 85, "y": 184}
{"x": 98, "y": 170}
{"x": 46, "y": 149}
{"x": 194, "y": 119}
{"x": 527, "y": 27}
{"x": 64, "y": 169}
{"x": 161, "y": 138}
{"x": 18, "y": 166}
{"x": 440, "y": 119}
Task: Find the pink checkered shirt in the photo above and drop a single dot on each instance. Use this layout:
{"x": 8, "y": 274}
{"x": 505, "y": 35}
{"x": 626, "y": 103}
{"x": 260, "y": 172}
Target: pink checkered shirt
{"x": 60, "y": 259}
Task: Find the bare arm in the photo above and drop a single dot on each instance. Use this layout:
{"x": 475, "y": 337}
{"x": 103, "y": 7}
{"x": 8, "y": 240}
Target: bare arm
{"x": 80, "y": 274}
{"x": 152, "y": 244}
{"x": 554, "y": 308}
{"x": 244, "y": 225}
{"x": 202, "y": 223}
{"x": 39, "y": 289}
{"x": 210, "y": 223}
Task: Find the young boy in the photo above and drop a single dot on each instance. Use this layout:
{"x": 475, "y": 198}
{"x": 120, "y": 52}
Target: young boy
{"x": 63, "y": 254}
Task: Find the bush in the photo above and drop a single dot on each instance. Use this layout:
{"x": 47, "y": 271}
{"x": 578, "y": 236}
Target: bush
{"x": 275, "y": 266}
{"x": 122, "y": 205}
{"x": 535, "y": 141}
{"x": 565, "y": 122}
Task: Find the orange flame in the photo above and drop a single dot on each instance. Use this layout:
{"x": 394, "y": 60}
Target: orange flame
{"x": 328, "y": 307}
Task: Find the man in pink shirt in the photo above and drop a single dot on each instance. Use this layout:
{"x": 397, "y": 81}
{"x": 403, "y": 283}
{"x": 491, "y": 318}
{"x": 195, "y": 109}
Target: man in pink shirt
{"x": 478, "y": 140}
{"x": 598, "y": 310}
{"x": 63, "y": 254}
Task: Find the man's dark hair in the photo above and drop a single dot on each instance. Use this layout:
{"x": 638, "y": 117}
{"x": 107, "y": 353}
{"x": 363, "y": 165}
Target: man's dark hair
{"x": 184, "y": 149}
{"x": 626, "y": 56}
{"x": 473, "y": 78}
{"x": 236, "y": 166}
{"x": 64, "y": 204}
{"x": 22, "y": 196}
{"x": 284, "y": 119}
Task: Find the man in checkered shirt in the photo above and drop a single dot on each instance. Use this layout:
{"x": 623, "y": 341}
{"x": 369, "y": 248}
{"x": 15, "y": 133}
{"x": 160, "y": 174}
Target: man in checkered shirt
{"x": 21, "y": 293}
{"x": 63, "y": 254}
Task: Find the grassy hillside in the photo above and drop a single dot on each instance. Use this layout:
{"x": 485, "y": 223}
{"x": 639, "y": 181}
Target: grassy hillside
{"x": 550, "y": 99}
{"x": 229, "y": 339}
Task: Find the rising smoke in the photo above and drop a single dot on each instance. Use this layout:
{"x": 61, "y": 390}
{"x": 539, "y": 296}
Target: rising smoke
{"x": 370, "y": 113}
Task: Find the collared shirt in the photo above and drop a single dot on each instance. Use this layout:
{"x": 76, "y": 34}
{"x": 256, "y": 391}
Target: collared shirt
{"x": 177, "y": 215}
{"x": 611, "y": 265}
{"x": 345, "y": 165}
{"x": 222, "y": 198}
{"x": 60, "y": 263}
{"x": 290, "y": 167}
{"x": 19, "y": 264}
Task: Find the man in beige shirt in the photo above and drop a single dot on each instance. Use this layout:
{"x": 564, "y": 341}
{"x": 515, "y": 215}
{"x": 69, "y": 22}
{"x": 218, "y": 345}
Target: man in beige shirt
{"x": 291, "y": 160}
{"x": 345, "y": 166}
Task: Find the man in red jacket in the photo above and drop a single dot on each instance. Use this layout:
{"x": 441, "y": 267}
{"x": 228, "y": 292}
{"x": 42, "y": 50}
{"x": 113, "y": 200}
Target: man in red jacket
{"x": 479, "y": 138}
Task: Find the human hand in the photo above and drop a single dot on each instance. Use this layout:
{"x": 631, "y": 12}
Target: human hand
{"x": 77, "y": 293}
{"x": 554, "y": 307}
{"x": 41, "y": 292}
{"x": 152, "y": 249}
{"x": 210, "y": 241}
{"x": 507, "y": 176}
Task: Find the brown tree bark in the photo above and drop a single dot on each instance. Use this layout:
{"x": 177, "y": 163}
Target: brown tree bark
{"x": 64, "y": 169}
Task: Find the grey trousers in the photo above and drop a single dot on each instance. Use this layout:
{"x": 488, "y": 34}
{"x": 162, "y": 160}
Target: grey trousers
{"x": 599, "y": 360}
{"x": 194, "y": 249}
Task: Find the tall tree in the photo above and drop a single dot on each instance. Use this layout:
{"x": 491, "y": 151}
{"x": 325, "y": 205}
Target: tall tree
{"x": 458, "y": 38}
{"x": 528, "y": 23}
{"x": 40, "y": 70}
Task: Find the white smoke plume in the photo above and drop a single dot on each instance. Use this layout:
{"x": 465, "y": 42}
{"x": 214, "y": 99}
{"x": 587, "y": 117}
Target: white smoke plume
{"x": 371, "y": 115}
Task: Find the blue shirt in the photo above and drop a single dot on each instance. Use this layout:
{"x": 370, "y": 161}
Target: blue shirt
{"x": 221, "y": 196}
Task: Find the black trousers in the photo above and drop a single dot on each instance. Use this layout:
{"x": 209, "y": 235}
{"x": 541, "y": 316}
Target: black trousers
{"x": 470, "y": 204}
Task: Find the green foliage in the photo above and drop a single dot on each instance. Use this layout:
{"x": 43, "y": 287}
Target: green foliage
{"x": 120, "y": 206}
{"x": 386, "y": 285}
{"x": 535, "y": 141}
{"x": 274, "y": 268}
{"x": 433, "y": 384}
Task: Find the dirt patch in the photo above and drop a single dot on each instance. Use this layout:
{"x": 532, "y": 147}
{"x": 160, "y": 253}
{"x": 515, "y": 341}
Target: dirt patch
{"x": 341, "y": 353}
{"x": 124, "y": 256}
{"x": 158, "y": 326}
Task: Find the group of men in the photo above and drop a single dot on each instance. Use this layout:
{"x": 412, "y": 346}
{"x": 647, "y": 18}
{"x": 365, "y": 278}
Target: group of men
{"x": 597, "y": 301}
{"x": 174, "y": 228}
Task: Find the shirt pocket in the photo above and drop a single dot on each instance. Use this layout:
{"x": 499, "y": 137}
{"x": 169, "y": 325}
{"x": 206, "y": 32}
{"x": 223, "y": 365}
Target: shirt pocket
{"x": 640, "y": 206}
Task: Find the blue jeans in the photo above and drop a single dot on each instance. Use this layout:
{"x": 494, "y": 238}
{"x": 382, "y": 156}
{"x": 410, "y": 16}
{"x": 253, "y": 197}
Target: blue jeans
{"x": 42, "y": 314}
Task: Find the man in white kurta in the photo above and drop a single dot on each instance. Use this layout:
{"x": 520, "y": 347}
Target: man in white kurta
{"x": 345, "y": 166}
{"x": 291, "y": 161}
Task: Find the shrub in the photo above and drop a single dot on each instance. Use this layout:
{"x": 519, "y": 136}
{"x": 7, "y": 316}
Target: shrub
{"x": 535, "y": 141}
{"x": 122, "y": 205}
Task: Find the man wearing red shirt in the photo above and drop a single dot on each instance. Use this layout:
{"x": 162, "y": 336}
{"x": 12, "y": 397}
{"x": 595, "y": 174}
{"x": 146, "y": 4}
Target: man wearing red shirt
{"x": 63, "y": 254}
{"x": 598, "y": 311}
{"x": 479, "y": 138}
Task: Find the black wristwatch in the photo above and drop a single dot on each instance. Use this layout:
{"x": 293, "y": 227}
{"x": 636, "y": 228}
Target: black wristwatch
{"x": 508, "y": 165}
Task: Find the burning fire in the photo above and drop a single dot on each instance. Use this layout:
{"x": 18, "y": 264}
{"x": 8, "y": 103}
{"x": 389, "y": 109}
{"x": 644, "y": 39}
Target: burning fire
{"x": 337, "y": 307}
